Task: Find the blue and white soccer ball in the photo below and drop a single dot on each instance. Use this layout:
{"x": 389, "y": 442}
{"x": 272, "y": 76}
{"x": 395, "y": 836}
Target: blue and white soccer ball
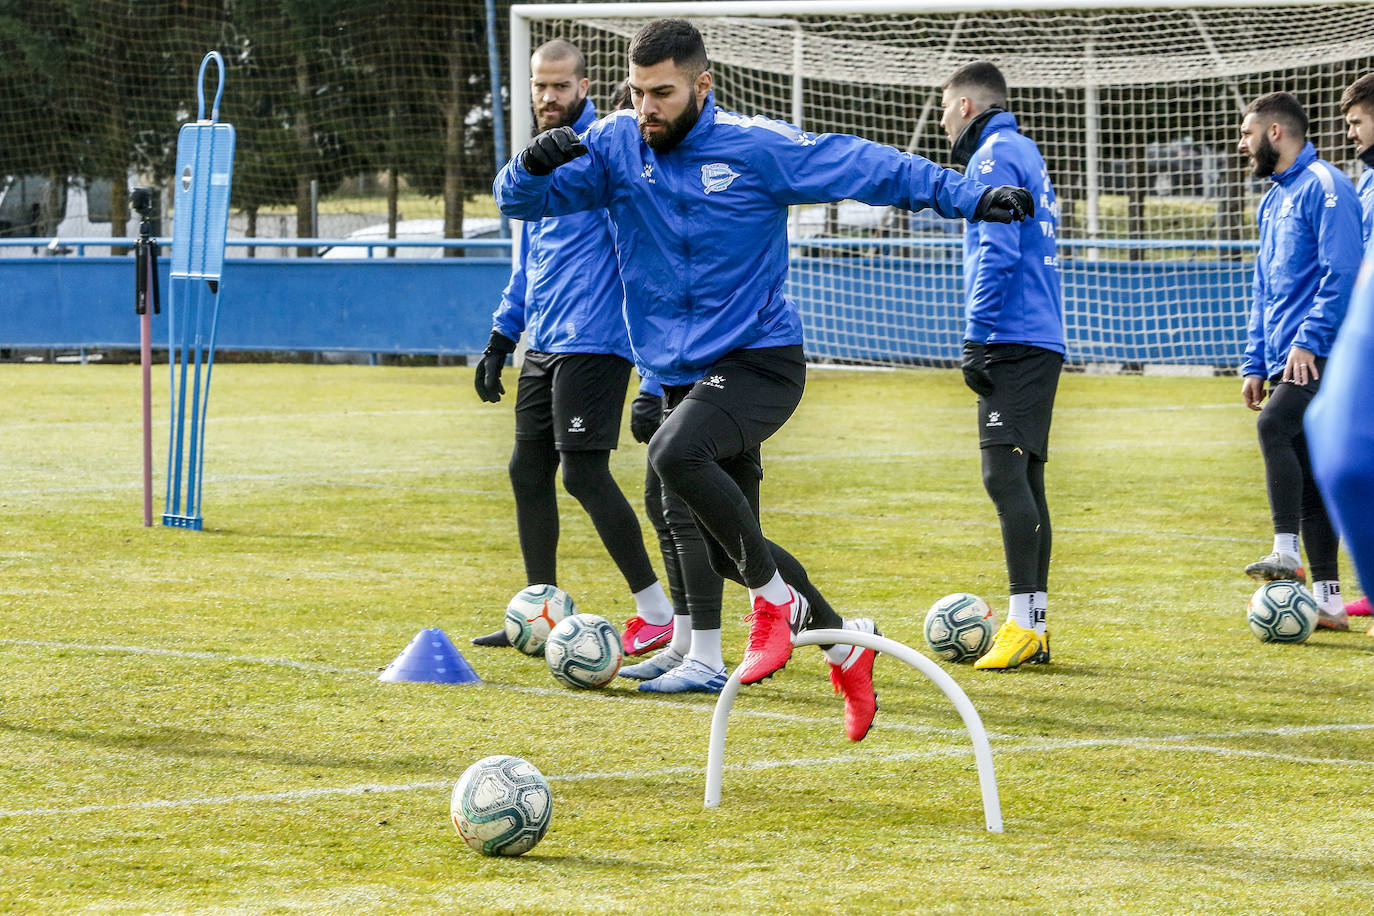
{"x": 959, "y": 627}
{"x": 533, "y": 613}
{"x": 584, "y": 651}
{"x": 502, "y": 806}
{"x": 1282, "y": 611}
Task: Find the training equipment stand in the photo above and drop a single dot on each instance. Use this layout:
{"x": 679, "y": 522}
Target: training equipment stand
{"x": 204, "y": 171}
{"x": 992, "y": 808}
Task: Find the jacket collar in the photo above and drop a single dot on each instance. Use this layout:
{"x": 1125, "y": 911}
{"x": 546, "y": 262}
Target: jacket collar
{"x": 585, "y": 118}
{"x": 1306, "y": 157}
{"x": 1367, "y": 156}
{"x": 705, "y": 120}
{"x": 975, "y": 131}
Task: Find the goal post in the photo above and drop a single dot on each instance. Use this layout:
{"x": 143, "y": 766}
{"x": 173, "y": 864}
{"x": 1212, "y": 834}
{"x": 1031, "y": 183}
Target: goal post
{"x": 1135, "y": 105}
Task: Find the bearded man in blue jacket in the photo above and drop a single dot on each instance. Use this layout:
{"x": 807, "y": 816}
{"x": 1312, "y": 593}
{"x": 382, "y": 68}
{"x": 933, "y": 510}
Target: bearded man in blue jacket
{"x": 565, "y": 294}
{"x": 699, "y": 198}
{"x": 1309, "y": 254}
{"x": 1013, "y": 347}
{"x": 1357, "y": 107}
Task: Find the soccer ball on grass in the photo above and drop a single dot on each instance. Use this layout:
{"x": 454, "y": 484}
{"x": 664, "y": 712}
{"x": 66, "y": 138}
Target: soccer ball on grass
{"x": 959, "y": 627}
{"x": 1282, "y": 611}
{"x": 532, "y": 615}
{"x": 501, "y": 806}
{"x": 584, "y": 651}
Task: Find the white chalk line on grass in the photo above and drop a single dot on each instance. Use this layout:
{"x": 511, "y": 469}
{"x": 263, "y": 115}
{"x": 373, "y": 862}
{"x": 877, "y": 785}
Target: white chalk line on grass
{"x": 1011, "y": 744}
{"x": 1176, "y": 743}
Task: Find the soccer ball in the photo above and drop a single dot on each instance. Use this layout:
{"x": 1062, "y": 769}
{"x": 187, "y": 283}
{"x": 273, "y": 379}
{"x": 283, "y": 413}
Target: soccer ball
{"x": 501, "y": 806}
{"x": 533, "y": 613}
{"x": 959, "y": 627}
{"x": 1282, "y": 611}
{"x": 584, "y": 651}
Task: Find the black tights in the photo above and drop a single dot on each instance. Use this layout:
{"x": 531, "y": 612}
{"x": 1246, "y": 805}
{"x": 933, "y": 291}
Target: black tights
{"x": 1015, "y": 480}
{"x": 1294, "y": 501}
{"x": 587, "y": 478}
{"x": 694, "y": 586}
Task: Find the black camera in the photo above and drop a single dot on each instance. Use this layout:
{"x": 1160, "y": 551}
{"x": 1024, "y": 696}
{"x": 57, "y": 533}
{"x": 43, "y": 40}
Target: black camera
{"x": 141, "y": 201}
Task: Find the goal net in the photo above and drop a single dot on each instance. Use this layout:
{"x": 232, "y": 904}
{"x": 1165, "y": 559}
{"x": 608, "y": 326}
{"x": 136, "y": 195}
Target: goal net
{"x": 1136, "y": 108}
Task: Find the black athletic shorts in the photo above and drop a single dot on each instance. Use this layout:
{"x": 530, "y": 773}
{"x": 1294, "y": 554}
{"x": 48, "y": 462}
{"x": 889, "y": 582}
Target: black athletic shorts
{"x": 575, "y": 398}
{"x": 758, "y": 389}
{"x": 1018, "y": 411}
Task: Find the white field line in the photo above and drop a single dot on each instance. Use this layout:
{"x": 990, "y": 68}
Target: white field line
{"x": 1011, "y": 744}
{"x": 1176, "y": 743}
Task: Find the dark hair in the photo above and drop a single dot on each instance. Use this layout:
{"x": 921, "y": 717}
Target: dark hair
{"x": 1360, "y": 92}
{"x": 669, "y": 39}
{"x": 980, "y": 75}
{"x": 558, "y": 49}
{"x": 620, "y": 98}
{"x": 1281, "y": 107}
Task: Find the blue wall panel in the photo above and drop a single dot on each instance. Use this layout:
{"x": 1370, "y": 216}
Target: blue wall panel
{"x": 373, "y": 306}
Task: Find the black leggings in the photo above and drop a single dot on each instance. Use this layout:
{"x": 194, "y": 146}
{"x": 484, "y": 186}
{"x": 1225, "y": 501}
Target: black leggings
{"x": 694, "y": 586}
{"x": 1015, "y": 480}
{"x": 587, "y": 478}
{"x": 1294, "y": 501}
{"x": 707, "y": 452}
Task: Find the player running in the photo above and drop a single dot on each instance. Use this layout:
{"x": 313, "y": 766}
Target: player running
{"x": 699, "y": 198}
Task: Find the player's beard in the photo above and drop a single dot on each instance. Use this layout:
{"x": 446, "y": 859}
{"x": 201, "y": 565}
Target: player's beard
{"x": 551, "y": 116}
{"x": 1266, "y": 158}
{"x": 661, "y": 141}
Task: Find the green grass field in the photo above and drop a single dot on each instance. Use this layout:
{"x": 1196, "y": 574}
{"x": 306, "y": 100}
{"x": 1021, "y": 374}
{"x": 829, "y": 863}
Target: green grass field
{"x": 192, "y": 722}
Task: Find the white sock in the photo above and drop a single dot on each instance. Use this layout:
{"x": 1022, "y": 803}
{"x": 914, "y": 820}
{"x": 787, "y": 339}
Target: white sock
{"x": 837, "y": 654}
{"x": 682, "y": 634}
{"x": 774, "y": 591}
{"x": 1019, "y": 611}
{"x": 1040, "y": 605}
{"x": 1328, "y": 595}
{"x": 706, "y": 649}
{"x": 1286, "y": 545}
{"x": 653, "y": 605}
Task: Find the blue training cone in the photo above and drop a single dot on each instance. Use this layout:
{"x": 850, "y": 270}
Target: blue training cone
{"x": 431, "y": 658}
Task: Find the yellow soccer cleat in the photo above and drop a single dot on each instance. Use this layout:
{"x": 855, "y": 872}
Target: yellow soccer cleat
{"x": 1012, "y": 645}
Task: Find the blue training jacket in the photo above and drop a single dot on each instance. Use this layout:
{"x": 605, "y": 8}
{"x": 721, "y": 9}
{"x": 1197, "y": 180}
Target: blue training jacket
{"x": 1365, "y": 190}
{"x": 565, "y": 289}
{"x": 1309, "y": 228}
{"x": 1011, "y": 270}
{"x": 1340, "y": 427}
{"x": 701, "y": 231}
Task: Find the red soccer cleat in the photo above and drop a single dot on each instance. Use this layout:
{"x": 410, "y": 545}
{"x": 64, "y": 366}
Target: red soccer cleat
{"x": 853, "y": 679}
{"x": 1359, "y": 607}
{"x": 770, "y": 636}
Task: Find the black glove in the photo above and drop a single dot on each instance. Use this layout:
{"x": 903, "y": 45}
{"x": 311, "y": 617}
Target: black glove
{"x": 1006, "y": 204}
{"x": 646, "y": 415}
{"x": 488, "y": 381}
{"x": 551, "y": 149}
{"x": 975, "y": 366}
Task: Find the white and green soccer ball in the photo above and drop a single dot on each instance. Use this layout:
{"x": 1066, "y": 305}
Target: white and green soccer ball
{"x": 1282, "y": 611}
{"x": 502, "y": 806}
{"x": 584, "y": 651}
{"x": 959, "y": 627}
{"x": 533, "y": 613}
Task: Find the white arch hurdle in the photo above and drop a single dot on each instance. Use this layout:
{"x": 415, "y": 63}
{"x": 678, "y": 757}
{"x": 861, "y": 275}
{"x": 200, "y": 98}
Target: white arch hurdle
{"x": 987, "y": 780}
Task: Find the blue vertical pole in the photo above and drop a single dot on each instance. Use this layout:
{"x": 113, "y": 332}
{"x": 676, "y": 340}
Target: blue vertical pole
{"x": 498, "y": 110}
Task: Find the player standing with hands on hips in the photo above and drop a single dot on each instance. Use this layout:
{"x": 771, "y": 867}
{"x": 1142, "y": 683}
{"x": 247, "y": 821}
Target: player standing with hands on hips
{"x": 1309, "y": 229}
{"x": 699, "y": 198}
{"x": 565, "y": 293}
{"x": 1013, "y": 347}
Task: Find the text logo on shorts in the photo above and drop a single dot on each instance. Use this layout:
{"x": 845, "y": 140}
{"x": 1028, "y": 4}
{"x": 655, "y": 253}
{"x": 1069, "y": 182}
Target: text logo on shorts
{"x": 994, "y": 418}
{"x": 575, "y": 425}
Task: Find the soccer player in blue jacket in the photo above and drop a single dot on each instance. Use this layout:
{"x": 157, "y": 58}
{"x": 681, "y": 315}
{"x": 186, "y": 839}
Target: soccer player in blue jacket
{"x": 1357, "y": 107}
{"x": 699, "y": 198}
{"x": 1340, "y": 426}
{"x": 1309, "y": 228}
{"x": 565, "y": 293}
{"x": 1013, "y": 347}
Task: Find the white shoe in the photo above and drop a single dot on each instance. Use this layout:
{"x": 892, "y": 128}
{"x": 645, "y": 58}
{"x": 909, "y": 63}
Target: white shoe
{"x": 1333, "y": 620}
{"x": 659, "y": 664}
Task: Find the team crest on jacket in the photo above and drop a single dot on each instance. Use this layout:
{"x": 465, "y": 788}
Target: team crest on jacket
{"x": 716, "y": 176}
